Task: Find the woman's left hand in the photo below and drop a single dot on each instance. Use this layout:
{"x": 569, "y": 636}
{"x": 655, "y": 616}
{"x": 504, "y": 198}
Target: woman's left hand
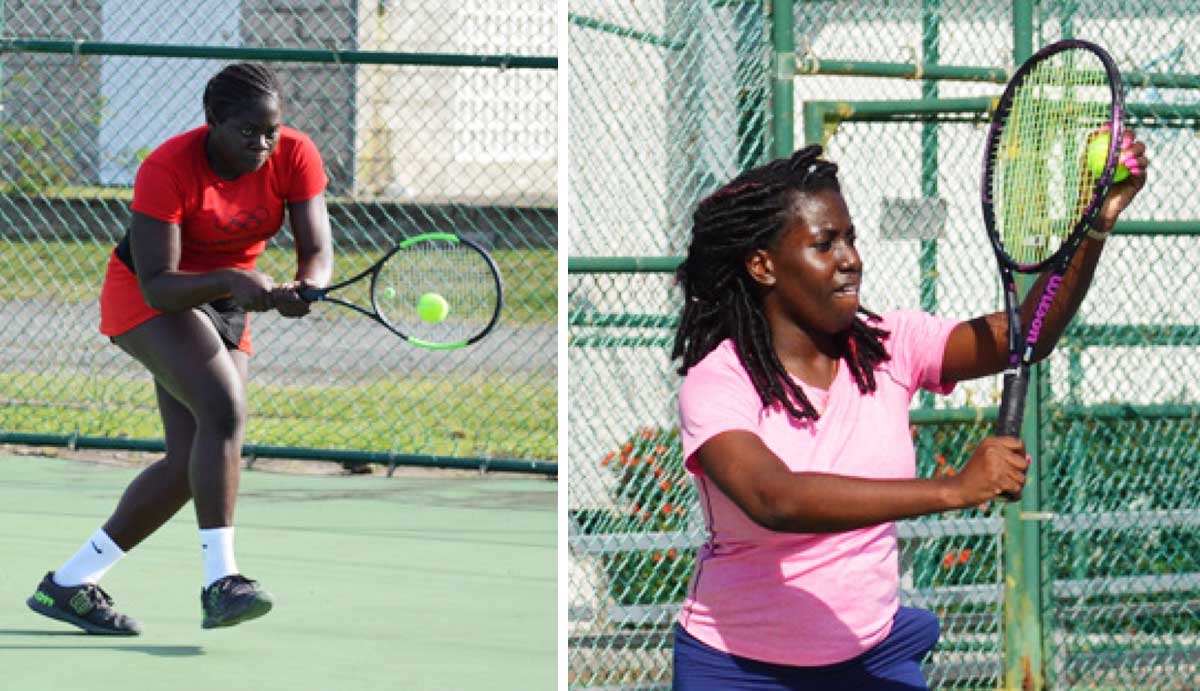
{"x": 1120, "y": 194}
{"x": 287, "y": 300}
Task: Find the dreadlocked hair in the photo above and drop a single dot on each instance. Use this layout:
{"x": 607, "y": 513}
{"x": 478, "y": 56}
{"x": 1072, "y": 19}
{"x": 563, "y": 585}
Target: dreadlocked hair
{"x": 231, "y": 89}
{"x": 721, "y": 299}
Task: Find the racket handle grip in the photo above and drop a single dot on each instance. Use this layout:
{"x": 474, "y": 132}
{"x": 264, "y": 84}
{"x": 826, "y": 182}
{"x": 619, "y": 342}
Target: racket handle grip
{"x": 1012, "y": 403}
{"x": 308, "y": 294}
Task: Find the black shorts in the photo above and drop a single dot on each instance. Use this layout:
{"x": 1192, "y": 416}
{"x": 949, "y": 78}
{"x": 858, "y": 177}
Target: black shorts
{"x": 229, "y": 320}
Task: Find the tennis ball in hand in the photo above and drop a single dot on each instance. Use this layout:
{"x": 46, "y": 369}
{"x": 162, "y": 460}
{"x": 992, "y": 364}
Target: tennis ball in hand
{"x": 432, "y": 307}
{"x": 1097, "y": 154}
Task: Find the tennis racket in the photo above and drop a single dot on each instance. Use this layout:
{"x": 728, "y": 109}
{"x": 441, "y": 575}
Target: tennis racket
{"x": 1038, "y": 195}
{"x": 456, "y": 276}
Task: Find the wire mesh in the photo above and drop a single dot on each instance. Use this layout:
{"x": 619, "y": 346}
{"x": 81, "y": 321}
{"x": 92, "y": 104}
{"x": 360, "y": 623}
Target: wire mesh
{"x": 409, "y": 148}
{"x": 1120, "y": 485}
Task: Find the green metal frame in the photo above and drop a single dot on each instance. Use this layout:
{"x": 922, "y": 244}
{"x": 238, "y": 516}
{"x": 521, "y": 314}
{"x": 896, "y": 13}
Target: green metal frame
{"x": 1024, "y": 599}
{"x": 255, "y": 451}
{"x": 783, "y": 94}
{"x": 930, "y": 70}
{"x": 926, "y": 561}
{"x": 822, "y": 117}
{"x": 346, "y": 57}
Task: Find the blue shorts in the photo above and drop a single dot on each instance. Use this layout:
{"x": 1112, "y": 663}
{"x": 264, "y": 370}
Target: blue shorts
{"x": 892, "y": 665}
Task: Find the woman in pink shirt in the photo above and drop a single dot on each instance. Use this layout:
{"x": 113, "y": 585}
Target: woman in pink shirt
{"x": 794, "y": 423}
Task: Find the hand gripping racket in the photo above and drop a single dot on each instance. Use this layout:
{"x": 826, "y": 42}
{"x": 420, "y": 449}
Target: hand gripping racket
{"x": 1038, "y": 196}
{"x": 435, "y": 290}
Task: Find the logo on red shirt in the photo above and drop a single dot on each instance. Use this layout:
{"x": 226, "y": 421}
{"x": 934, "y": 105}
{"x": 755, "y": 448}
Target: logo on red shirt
{"x": 245, "y": 223}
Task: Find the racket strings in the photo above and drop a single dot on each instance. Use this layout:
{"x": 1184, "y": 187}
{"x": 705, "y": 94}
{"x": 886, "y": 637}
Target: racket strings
{"x": 454, "y": 271}
{"x": 1042, "y": 187}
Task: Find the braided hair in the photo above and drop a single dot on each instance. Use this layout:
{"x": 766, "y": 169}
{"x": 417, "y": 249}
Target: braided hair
{"x": 232, "y": 88}
{"x": 721, "y": 299}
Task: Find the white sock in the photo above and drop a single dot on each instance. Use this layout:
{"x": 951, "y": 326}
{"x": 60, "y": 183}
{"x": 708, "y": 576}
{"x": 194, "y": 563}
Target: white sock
{"x": 217, "y": 544}
{"x": 91, "y": 562}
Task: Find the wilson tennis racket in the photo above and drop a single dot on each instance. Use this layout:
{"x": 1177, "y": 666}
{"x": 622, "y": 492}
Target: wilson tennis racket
{"x": 436, "y": 291}
{"x": 1038, "y": 195}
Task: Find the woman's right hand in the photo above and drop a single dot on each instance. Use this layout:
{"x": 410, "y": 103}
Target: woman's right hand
{"x": 251, "y": 290}
{"x": 996, "y": 468}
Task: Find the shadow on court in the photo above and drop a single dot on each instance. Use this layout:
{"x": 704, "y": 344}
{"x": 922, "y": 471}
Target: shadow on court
{"x": 418, "y": 582}
{"x": 157, "y": 650}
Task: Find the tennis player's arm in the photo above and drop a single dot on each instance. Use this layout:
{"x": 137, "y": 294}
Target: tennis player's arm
{"x": 314, "y": 241}
{"x": 979, "y": 347}
{"x": 779, "y": 499}
{"x": 156, "y": 247}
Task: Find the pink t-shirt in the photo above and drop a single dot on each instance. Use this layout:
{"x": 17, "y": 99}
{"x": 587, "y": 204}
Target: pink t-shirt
{"x": 794, "y": 598}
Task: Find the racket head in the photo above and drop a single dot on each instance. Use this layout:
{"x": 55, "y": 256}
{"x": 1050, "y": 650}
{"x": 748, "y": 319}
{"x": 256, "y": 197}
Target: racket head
{"x": 1037, "y": 193}
{"x": 458, "y": 270}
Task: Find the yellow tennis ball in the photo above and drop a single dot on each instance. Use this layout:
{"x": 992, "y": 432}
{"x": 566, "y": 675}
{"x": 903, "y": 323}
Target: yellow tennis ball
{"x": 1097, "y": 155}
{"x": 432, "y": 307}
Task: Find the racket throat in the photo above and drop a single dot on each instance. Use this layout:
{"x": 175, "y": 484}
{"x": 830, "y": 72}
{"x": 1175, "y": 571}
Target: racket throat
{"x": 1042, "y": 311}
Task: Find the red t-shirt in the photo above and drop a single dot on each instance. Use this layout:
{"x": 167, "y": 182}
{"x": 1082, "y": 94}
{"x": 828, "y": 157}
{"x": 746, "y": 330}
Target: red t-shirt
{"x": 223, "y": 223}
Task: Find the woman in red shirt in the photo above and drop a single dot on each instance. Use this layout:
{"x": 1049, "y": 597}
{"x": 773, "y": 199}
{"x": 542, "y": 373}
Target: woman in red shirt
{"x": 176, "y": 297}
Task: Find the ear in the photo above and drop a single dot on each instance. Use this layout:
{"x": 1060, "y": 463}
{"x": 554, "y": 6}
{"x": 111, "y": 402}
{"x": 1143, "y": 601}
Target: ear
{"x": 760, "y": 267}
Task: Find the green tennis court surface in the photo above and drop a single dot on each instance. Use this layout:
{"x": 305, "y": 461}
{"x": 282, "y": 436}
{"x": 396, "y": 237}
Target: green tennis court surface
{"x": 380, "y": 583}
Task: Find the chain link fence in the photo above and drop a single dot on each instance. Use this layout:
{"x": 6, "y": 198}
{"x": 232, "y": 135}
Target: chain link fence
{"x": 428, "y": 118}
{"x": 1113, "y": 544}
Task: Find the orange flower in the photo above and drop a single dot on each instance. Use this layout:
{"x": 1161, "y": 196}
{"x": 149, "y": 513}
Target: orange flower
{"x": 626, "y": 449}
{"x": 964, "y": 556}
{"x": 948, "y": 560}
{"x": 666, "y": 509}
{"x": 941, "y": 460}
{"x": 656, "y": 557}
{"x": 608, "y": 458}
{"x": 660, "y": 449}
{"x": 645, "y": 516}
{"x": 636, "y": 508}
{"x": 658, "y": 472}
{"x": 680, "y": 511}
{"x": 665, "y": 485}
{"x": 671, "y": 553}
{"x": 634, "y": 461}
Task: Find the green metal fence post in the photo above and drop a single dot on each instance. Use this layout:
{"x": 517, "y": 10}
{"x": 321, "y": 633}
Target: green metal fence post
{"x": 1024, "y": 666}
{"x": 926, "y": 563}
{"x": 930, "y": 25}
{"x": 783, "y": 52}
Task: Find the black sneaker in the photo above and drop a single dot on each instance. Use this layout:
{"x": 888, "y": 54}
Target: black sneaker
{"x": 232, "y": 600}
{"x": 85, "y": 606}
